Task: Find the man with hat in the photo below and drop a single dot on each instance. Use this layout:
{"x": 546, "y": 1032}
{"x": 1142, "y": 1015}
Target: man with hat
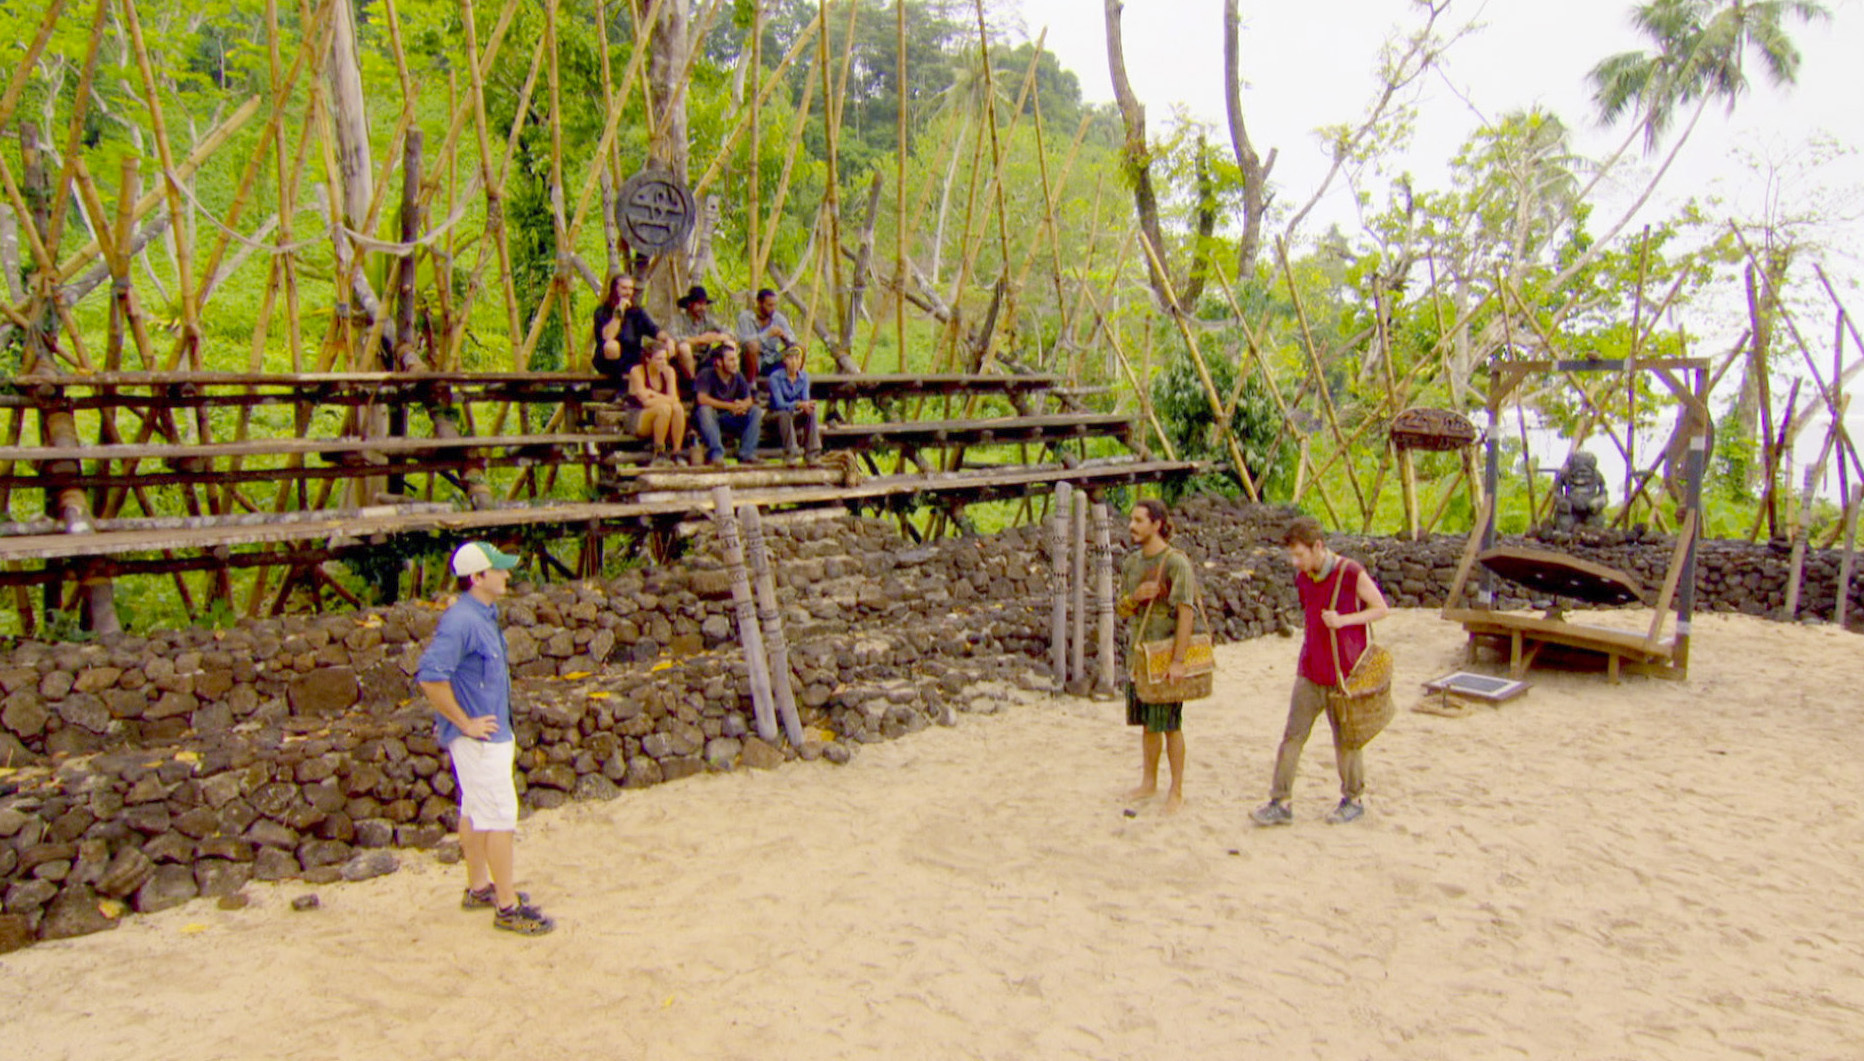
{"x": 465, "y": 677}
{"x": 695, "y": 331}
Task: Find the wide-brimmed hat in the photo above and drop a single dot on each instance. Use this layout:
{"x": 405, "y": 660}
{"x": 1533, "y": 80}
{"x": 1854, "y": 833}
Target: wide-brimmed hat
{"x": 696, "y": 293}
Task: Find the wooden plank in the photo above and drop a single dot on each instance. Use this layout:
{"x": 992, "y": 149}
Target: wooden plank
{"x": 1574, "y": 635}
{"x": 831, "y": 382}
{"x": 1672, "y": 575}
{"x": 1562, "y": 575}
{"x": 361, "y": 525}
{"x": 1068, "y": 423}
{"x": 287, "y": 446}
{"x": 1470, "y": 549}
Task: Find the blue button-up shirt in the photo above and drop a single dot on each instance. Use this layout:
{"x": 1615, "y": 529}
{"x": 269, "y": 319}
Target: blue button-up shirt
{"x": 468, "y": 653}
{"x": 786, "y": 394}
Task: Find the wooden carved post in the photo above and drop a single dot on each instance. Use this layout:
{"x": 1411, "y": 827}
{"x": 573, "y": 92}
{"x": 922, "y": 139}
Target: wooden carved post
{"x": 1077, "y": 585}
{"x": 1058, "y": 568}
{"x": 1103, "y": 595}
{"x": 748, "y": 631}
{"x": 770, "y": 620}
{"x": 1843, "y": 590}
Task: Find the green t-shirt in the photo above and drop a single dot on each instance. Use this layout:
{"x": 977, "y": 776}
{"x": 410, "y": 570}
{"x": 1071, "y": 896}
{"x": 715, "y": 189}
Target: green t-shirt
{"x": 1181, "y": 583}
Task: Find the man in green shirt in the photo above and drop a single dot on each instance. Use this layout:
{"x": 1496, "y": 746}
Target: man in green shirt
{"x": 1158, "y": 595}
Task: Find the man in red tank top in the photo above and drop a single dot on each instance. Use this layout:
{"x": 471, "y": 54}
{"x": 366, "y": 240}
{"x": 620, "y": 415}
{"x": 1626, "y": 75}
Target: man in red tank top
{"x": 1338, "y": 601}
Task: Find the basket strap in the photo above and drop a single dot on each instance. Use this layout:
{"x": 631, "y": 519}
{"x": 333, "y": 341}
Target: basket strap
{"x": 1333, "y": 635}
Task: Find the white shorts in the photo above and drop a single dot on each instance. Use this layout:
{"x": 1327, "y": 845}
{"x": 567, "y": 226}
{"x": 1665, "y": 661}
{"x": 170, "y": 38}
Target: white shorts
{"x": 487, "y": 794}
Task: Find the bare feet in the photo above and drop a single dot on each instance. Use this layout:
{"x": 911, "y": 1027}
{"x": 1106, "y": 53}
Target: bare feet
{"x": 1143, "y": 792}
{"x": 1174, "y": 803}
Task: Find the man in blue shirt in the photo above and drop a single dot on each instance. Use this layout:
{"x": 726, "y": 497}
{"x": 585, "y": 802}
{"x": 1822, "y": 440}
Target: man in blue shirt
{"x": 465, "y": 677}
{"x": 792, "y": 408}
{"x": 723, "y": 402}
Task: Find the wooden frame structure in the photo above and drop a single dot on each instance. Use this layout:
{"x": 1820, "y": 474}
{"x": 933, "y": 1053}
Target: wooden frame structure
{"x": 1527, "y": 636}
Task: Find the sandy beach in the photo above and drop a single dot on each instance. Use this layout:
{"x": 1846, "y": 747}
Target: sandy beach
{"x": 1651, "y": 870}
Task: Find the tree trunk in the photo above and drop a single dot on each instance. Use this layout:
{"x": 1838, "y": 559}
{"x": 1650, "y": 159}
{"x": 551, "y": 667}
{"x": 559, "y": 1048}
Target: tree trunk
{"x": 1136, "y": 156}
{"x": 349, "y": 113}
{"x": 668, "y": 43}
{"x": 1255, "y": 168}
{"x": 1205, "y": 228}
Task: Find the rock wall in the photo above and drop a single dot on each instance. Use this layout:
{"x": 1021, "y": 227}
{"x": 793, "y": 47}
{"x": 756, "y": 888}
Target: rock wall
{"x": 1248, "y": 574}
{"x": 141, "y": 772}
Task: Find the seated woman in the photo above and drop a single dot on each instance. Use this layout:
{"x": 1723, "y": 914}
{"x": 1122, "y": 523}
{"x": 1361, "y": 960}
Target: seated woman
{"x": 654, "y": 399}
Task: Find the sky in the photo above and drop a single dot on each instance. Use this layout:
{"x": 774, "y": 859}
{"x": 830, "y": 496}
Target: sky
{"x": 1313, "y": 63}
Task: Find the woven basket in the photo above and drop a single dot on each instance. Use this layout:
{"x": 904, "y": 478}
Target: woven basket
{"x": 1361, "y": 706}
{"x": 1152, "y": 661}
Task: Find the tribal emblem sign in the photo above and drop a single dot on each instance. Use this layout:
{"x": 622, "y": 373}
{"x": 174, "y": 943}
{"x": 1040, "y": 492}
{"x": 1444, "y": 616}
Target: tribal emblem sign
{"x": 656, "y": 212}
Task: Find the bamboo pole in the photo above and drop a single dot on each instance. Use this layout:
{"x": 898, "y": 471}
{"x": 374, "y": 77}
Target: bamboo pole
{"x": 899, "y": 189}
{"x": 1103, "y": 597}
{"x": 770, "y": 621}
{"x": 1802, "y": 525}
{"x": 1842, "y": 592}
{"x": 749, "y": 632}
{"x": 188, "y": 342}
{"x": 1224, "y": 429}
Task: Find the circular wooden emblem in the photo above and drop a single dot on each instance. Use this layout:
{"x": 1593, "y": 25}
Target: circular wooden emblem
{"x": 1432, "y": 429}
{"x": 656, "y": 211}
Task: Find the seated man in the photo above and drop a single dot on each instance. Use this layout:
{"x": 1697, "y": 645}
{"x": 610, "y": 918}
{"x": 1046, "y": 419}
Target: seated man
{"x": 723, "y": 402}
{"x": 792, "y": 407}
{"x": 620, "y": 329}
{"x": 766, "y": 334}
{"x": 696, "y": 331}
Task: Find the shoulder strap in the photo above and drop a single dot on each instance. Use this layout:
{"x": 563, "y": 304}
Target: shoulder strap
{"x": 1197, "y": 592}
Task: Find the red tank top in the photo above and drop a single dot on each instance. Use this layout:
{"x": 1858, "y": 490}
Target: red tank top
{"x": 1317, "y": 644}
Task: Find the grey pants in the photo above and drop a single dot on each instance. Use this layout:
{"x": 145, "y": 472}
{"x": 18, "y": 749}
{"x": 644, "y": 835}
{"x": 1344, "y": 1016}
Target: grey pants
{"x": 787, "y": 423}
{"x": 1309, "y": 702}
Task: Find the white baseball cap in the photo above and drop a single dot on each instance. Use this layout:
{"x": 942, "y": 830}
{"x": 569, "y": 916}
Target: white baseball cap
{"x": 474, "y": 557}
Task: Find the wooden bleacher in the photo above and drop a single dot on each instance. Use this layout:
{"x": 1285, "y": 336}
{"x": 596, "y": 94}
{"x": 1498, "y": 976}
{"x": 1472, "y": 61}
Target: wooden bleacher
{"x": 174, "y": 456}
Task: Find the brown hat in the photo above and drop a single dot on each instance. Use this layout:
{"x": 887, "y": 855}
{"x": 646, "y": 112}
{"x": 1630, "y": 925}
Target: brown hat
{"x": 694, "y": 294}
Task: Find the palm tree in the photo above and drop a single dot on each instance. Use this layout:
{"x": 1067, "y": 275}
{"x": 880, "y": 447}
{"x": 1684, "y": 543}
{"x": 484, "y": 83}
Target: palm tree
{"x": 1701, "y": 54}
{"x": 1702, "y": 48}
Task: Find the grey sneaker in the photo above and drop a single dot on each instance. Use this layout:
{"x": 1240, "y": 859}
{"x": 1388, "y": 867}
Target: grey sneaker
{"x": 524, "y": 919}
{"x": 1274, "y": 812}
{"x": 486, "y": 898}
{"x": 1347, "y": 811}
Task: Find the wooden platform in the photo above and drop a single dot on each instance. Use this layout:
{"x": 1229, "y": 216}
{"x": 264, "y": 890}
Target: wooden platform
{"x": 1526, "y": 636}
{"x": 350, "y": 529}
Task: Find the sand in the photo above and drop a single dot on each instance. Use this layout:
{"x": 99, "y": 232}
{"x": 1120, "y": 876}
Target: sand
{"x": 1651, "y": 870}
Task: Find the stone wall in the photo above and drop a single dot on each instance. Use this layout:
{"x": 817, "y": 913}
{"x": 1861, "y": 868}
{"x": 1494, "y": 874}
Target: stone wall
{"x": 145, "y": 771}
{"x": 1250, "y": 581}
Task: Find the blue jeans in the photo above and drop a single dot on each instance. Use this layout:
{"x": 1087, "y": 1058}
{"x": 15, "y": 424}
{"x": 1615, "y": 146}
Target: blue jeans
{"x": 745, "y": 425}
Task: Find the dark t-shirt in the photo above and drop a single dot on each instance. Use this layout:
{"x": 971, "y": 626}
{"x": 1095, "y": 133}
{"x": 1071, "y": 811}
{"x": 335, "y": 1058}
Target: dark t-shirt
{"x": 636, "y": 325}
{"x": 737, "y": 389}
